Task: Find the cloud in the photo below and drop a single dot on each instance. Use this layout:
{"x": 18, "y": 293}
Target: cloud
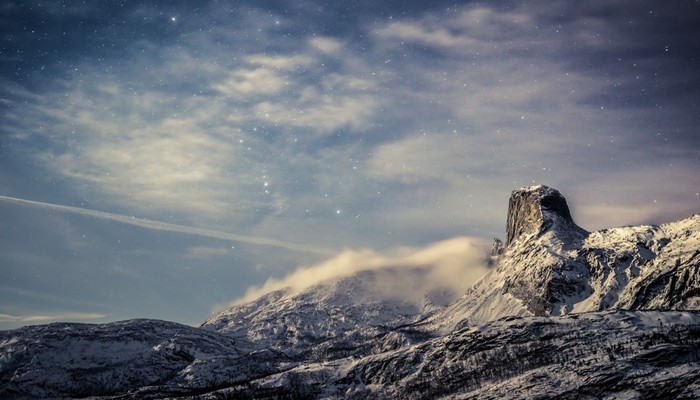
{"x": 478, "y": 31}
{"x": 422, "y": 158}
{"x": 422, "y": 122}
{"x": 455, "y": 264}
{"x": 326, "y": 45}
{"x": 39, "y": 319}
{"x": 142, "y": 148}
{"x": 173, "y": 133}
{"x": 243, "y": 83}
{"x": 168, "y": 227}
{"x": 528, "y": 96}
{"x": 325, "y": 89}
{"x": 8, "y": 321}
{"x": 625, "y": 198}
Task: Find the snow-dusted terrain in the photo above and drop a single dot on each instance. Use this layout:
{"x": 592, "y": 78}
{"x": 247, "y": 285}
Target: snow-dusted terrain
{"x": 331, "y": 315}
{"x": 550, "y": 266}
{"x": 564, "y": 313}
{"x": 646, "y": 354}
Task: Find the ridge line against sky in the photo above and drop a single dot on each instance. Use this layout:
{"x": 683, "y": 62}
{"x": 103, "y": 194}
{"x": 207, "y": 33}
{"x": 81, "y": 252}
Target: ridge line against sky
{"x": 169, "y": 227}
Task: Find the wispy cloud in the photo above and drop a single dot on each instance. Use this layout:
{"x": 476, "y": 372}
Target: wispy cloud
{"x": 40, "y": 319}
{"x": 200, "y": 138}
{"x": 10, "y": 321}
{"x": 477, "y": 31}
{"x": 321, "y": 90}
{"x": 454, "y": 264}
{"x": 164, "y": 226}
{"x": 475, "y": 96}
{"x": 525, "y": 95}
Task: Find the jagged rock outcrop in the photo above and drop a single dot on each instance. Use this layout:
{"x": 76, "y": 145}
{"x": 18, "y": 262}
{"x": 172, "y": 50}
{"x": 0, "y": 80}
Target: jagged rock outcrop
{"x": 497, "y": 248}
{"x": 534, "y": 210}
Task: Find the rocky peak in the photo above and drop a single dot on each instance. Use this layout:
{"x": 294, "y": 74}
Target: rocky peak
{"x": 535, "y": 209}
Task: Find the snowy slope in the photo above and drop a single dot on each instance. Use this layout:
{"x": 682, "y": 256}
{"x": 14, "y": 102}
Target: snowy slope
{"x": 154, "y": 359}
{"x": 624, "y": 354}
{"x": 645, "y": 267}
{"x": 76, "y": 360}
{"x": 628, "y": 354}
{"x": 345, "y": 309}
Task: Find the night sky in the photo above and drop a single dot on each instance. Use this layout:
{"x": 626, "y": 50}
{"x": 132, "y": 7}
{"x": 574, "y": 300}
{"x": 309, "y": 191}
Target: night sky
{"x": 159, "y": 158}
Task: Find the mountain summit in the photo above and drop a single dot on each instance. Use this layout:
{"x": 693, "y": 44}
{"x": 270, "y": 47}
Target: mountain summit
{"x": 535, "y": 209}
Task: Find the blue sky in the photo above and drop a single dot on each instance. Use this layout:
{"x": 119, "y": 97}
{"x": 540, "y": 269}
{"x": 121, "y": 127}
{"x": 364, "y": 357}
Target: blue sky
{"x": 252, "y": 138}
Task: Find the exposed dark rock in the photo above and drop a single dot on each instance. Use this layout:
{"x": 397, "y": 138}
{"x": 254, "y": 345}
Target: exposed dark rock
{"x": 535, "y": 209}
{"x": 497, "y": 248}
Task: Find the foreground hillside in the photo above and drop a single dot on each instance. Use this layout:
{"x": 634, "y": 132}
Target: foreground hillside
{"x": 564, "y": 313}
{"x": 642, "y": 354}
{"x": 623, "y": 354}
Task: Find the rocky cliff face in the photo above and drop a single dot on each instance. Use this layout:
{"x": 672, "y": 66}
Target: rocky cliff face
{"x": 534, "y": 210}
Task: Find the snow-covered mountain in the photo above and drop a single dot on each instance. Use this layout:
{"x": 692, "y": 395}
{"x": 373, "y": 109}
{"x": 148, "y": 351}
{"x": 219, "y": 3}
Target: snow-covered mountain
{"x": 549, "y": 266}
{"x": 621, "y": 354}
{"x": 563, "y": 313}
{"x": 136, "y": 356}
{"x": 333, "y": 313}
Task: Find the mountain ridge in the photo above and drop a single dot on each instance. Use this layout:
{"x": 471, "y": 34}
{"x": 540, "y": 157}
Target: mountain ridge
{"x": 555, "y": 267}
{"x": 563, "y": 312}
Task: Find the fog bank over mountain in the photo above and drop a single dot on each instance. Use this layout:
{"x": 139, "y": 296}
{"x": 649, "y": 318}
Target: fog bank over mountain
{"x": 453, "y": 264}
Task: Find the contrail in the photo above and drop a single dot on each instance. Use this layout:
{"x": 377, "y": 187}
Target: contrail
{"x": 168, "y": 227}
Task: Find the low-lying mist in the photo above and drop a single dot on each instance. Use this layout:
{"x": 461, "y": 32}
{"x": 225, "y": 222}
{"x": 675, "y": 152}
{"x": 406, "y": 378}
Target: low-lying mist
{"x": 454, "y": 264}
